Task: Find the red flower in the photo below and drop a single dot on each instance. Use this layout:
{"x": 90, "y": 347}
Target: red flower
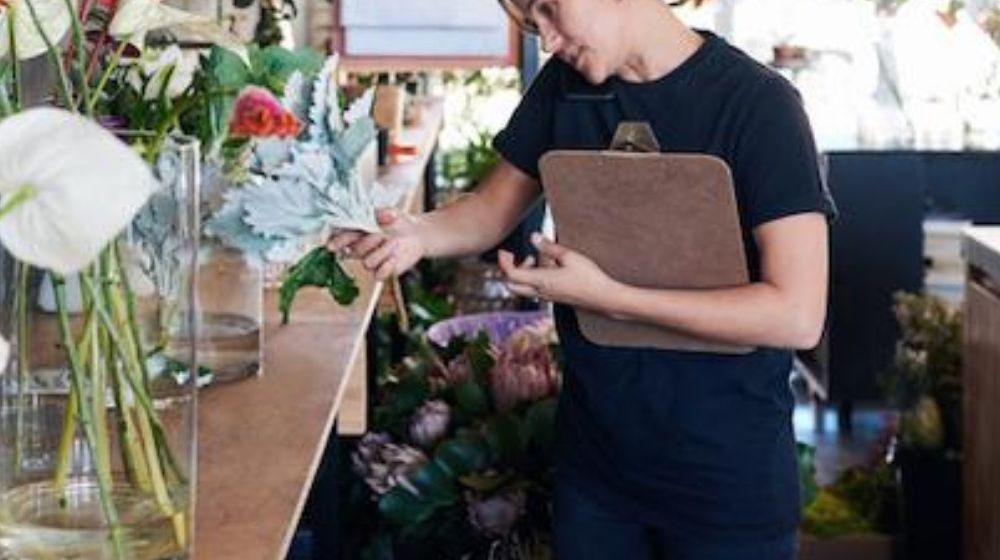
{"x": 258, "y": 113}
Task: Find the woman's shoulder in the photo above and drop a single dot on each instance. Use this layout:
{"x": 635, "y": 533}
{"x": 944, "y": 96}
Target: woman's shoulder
{"x": 759, "y": 83}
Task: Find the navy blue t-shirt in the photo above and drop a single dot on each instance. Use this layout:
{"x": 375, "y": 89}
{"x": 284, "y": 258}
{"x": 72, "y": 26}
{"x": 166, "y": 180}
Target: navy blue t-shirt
{"x": 697, "y": 443}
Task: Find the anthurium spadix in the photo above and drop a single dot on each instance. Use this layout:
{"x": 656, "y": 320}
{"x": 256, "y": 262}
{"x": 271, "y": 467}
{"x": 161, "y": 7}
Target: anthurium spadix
{"x": 67, "y": 188}
{"x": 15, "y": 15}
{"x": 135, "y": 18}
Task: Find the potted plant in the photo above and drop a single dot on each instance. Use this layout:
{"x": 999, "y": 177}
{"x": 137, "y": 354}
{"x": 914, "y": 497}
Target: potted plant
{"x": 925, "y": 386}
{"x": 855, "y": 517}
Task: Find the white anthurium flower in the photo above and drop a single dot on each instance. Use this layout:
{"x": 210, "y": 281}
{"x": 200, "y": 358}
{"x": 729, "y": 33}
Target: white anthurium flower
{"x": 4, "y": 352}
{"x": 149, "y": 75}
{"x": 135, "y": 18}
{"x": 53, "y": 15}
{"x": 79, "y": 187}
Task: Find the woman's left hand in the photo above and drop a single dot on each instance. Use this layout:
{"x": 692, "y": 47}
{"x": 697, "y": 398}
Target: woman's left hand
{"x": 562, "y": 275}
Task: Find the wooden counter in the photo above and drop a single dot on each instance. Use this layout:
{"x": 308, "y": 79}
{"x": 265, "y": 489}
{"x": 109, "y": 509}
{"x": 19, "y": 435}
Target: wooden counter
{"x": 981, "y": 378}
{"x": 261, "y": 440}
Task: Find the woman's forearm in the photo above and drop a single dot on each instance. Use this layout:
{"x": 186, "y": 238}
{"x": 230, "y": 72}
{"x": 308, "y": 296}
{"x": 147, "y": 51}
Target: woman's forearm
{"x": 482, "y": 219}
{"x": 464, "y": 227}
{"x": 757, "y": 314}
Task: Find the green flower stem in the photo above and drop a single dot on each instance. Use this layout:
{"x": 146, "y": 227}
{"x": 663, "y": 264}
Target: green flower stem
{"x": 135, "y": 465}
{"x": 23, "y": 352}
{"x": 15, "y": 63}
{"x": 133, "y": 327}
{"x": 66, "y": 437}
{"x": 105, "y": 76}
{"x": 77, "y": 391}
{"x": 81, "y": 58}
{"x": 159, "y": 482}
{"x": 21, "y": 195}
{"x": 121, "y": 346}
{"x": 98, "y": 383}
{"x": 68, "y": 431}
{"x": 146, "y": 417}
{"x": 128, "y": 345}
{"x": 6, "y": 106}
{"x": 127, "y": 296}
{"x": 64, "y": 85}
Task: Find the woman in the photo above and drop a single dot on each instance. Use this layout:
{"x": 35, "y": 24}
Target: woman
{"x": 660, "y": 454}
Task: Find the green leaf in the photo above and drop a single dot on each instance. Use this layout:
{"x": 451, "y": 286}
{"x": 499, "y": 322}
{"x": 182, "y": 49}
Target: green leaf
{"x": 471, "y": 398}
{"x": 379, "y": 548}
{"x": 403, "y": 508}
{"x": 228, "y": 71}
{"x": 318, "y": 268}
{"x": 462, "y": 455}
{"x": 807, "y": 473}
{"x": 540, "y": 424}
{"x": 435, "y": 484}
{"x": 410, "y": 393}
{"x": 401, "y": 400}
{"x": 478, "y": 353}
{"x": 485, "y": 483}
{"x": 272, "y": 66}
{"x": 414, "y": 512}
{"x": 503, "y": 433}
{"x": 456, "y": 347}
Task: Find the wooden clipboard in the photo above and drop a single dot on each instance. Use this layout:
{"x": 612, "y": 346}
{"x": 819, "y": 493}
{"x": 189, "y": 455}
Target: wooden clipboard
{"x": 655, "y": 220}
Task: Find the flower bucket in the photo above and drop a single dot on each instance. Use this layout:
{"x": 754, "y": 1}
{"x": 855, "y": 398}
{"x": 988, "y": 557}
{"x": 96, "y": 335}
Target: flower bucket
{"x": 497, "y": 325}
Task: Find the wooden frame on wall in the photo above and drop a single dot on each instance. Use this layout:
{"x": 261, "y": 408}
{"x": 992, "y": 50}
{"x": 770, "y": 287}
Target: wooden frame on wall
{"x": 507, "y": 52}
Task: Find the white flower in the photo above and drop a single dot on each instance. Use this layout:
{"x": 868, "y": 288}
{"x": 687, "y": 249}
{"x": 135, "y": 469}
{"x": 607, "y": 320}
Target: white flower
{"x": 52, "y": 14}
{"x": 83, "y": 184}
{"x": 151, "y": 71}
{"x": 135, "y": 18}
{"x": 4, "y": 352}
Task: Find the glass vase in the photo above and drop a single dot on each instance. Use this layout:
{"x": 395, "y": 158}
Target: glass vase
{"x": 230, "y": 295}
{"x": 98, "y": 402}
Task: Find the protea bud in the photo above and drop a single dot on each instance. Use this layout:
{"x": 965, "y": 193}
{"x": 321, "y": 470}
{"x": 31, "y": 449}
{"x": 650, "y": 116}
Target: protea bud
{"x": 383, "y": 465}
{"x": 455, "y": 372}
{"x": 495, "y": 516}
{"x": 430, "y": 423}
{"x": 524, "y": 370}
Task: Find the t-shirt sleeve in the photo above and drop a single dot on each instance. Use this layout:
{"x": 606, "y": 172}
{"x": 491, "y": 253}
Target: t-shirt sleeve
{"x": 528, "y": 134}
{"x": 777, "y": 169}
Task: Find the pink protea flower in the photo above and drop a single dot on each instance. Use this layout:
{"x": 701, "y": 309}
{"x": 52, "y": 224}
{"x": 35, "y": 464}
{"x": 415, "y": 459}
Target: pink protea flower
{"x": 258, "y": 113}
{"x": 384, "y": 464}
{"x": 495, "y": 516}
{"x": 430, "y": 423}
{"x": 524, "y": 370}
{"x": 456, "y": 371}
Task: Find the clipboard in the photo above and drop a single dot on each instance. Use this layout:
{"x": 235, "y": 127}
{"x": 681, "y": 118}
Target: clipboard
{"x": 648, "y": 219}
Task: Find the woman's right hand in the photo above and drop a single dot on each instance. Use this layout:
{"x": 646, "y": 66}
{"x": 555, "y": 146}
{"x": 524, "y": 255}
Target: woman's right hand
{"x": 389, "y": 253}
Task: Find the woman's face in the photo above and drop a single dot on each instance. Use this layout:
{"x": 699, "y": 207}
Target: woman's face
{"x": 583, "y": 33}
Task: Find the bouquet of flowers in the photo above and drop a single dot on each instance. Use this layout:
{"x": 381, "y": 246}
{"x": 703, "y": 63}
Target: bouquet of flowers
{"x": 302, "y": 182}
{"x": 459, "y": 464}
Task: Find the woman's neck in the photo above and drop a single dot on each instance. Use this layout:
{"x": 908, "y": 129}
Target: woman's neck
{"x": 661, "y": 42}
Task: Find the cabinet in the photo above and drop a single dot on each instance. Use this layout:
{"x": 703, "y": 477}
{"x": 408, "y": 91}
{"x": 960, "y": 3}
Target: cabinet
{"x": 981, "y": 470}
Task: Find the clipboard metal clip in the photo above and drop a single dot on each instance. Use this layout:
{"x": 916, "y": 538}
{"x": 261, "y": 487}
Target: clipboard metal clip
{"x": 634, "y": 136}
